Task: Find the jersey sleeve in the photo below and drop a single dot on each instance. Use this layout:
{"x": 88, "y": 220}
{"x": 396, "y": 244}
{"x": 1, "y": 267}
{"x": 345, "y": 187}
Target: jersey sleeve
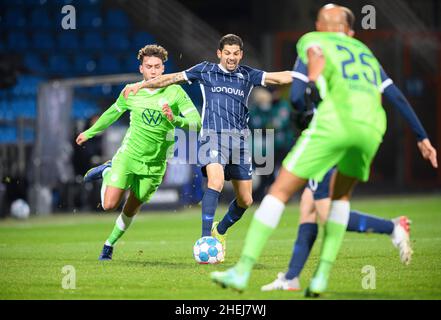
{"x": 298, "y": 86}
{"x": 190, "y": 118}
{"x": 113, "y": 113}
{"x": 307, "y": 41}
{"x": 394, "y": 95}
{"x": 195, "y": 73}
{"x": 256, "y": 76}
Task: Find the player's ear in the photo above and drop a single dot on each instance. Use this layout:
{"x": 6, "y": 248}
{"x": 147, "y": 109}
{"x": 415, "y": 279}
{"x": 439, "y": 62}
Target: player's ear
{"x": 351, "y": 33}
{"x": 140, "y": 68}
{"x": 219, "y": 53}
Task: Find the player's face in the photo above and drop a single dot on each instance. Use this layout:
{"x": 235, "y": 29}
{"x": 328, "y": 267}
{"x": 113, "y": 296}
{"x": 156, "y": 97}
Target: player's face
{"x": 230, "y": 56}
{"x": 151, "y": 67}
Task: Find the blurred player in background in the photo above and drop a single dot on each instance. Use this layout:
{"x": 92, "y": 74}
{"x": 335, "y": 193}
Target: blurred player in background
{"x": 140, "y": 163}
{"x": 346, "y": 131}
{"x": 225, "y": 88}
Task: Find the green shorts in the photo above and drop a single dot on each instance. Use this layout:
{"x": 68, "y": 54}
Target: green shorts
{"x": 143, "y": 178}
{"x": 332, "y": 140}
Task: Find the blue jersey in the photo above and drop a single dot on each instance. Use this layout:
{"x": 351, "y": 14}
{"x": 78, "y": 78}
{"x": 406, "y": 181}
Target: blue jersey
{"x": 225, "y": 95}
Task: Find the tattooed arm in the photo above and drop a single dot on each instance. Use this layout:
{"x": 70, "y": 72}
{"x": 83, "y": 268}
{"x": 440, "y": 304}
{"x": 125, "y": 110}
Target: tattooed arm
{"x": 158, "y": 82}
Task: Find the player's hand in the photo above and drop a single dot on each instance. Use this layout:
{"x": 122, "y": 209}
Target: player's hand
{"x": 428, "y": 152}
{"x": 168, "y": 112}
{"x": 133, "y": 88}
{"x": 81, "y": 139}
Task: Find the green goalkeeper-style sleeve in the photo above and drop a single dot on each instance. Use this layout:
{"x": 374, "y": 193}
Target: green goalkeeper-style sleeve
{"x": 107, "y": 118}
{"x": 191, "y": 119}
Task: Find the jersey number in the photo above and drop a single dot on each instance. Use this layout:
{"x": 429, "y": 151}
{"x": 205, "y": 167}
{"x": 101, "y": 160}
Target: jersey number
{"x": 362, "y": 56}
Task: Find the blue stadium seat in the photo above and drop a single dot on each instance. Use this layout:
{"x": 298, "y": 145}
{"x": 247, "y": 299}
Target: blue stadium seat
{"x": 26, "y": 86}
{"x": 116, "y": 19}
{"x": 35, "y": 63}
{"x": 8, "y": 134}
{"x": 140, "y": 39}
{"x": 84, "y": 109}
{"x": 17, "y": 40}
{"x": 40, "y": 19}
{"x": 60, "y": 64}
{"x": 108, "y": 64}
{"x": 14, "y": 18}
{"x": 68, "y": 40}
{"x": 84, "y": 64}
{"x": 117, "y": 41}
{"x": 25, "y": 108}
{"x": 92, "y": 41}
{"x": 43, "y": 41}
{"x": 89, "y": 18}
{"x": 130, "y": 63}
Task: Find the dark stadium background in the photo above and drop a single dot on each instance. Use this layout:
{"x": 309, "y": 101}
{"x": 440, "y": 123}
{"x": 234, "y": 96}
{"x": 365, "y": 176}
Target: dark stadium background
{"x": 34, "y": 50}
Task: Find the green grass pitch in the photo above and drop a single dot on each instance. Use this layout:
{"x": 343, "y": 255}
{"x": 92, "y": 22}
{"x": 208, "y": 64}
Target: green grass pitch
{"x": 154, "y": 259}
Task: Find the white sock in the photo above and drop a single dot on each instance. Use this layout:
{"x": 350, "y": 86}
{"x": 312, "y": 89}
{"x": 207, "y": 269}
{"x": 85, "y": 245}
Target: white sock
{"x": 339, "y": 212}
{"x": 270, "y": 211}
{"x": 123, "y": 222}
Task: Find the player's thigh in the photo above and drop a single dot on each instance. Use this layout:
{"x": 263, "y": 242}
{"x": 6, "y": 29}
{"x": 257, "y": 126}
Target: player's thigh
{"x": 356, "y": 160}
{"x": 318, "y": 149}
{"x": 215, "y": 176}
{"x": 307, "y": 207}
{"x": 145, "y": 186}
{"x": 117, "y": 181}
{"x": 243, "y": 190}
{"x": 285, "y": 185}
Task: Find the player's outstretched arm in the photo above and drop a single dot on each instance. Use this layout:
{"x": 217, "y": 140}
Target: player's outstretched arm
{"x": 278, "y": 78}
{"x": 104, "y": 121}
{"x": 158, "y": 82}
{"x": 394, "y": 95}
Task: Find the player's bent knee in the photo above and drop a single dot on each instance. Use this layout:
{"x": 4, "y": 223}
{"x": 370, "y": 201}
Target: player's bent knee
{"x": 109, "y": 205}
{"x": 245, "y": 203}
{"x": 216, "y": 184}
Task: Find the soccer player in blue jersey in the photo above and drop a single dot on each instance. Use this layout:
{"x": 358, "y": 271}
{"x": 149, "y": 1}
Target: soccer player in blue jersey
{"x": 315, "y": 200}
{"x": 225, "y": 88}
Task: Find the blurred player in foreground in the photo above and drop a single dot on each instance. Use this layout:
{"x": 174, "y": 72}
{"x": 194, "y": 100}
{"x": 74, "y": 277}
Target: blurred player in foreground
{"x": 315, "y": 200}
{"x": 346, "y": 131}
{"x": 140, "y": 163}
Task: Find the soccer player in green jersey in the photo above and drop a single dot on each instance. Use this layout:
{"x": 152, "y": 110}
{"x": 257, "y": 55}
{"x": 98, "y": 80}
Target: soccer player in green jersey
{"x": 346, "y": 131}
{"x": 140, "y": 163}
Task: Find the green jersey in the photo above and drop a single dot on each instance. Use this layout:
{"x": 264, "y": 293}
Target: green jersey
{"x": 350, "y": 82}
{"x": 146, "y": 139}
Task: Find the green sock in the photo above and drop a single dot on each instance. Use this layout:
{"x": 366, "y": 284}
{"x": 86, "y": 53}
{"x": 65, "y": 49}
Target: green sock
{"x": 255, "y": 240}
{"x": 115, "y": 235}
{"x": 333, "y": 238}
{"x": 121, "y": 225}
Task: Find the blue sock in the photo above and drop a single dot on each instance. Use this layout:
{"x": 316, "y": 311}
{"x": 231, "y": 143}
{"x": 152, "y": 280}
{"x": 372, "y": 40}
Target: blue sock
{"x": 361, "y": 222}
{"x": 305, "y": 239}
{"x": 234, "y": 214}
{"x": 209, "y": 205}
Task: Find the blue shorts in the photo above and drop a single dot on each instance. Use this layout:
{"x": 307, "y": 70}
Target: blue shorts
{"x": 321, "y": 190}
{"x": 228, "y": 149}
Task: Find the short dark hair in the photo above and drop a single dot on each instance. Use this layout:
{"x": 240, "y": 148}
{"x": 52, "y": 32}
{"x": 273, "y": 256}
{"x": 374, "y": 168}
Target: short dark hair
{"x": 230, "y": 39}
{"x": 152, "y": 50}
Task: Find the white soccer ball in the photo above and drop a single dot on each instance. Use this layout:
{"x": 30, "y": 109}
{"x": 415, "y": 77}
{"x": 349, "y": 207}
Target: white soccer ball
{"x": 208, "y": 250}
{"x": 20, "y": 209}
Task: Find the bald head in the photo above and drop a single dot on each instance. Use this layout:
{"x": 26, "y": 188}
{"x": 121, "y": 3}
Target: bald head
{"x": 334, "y": 18}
